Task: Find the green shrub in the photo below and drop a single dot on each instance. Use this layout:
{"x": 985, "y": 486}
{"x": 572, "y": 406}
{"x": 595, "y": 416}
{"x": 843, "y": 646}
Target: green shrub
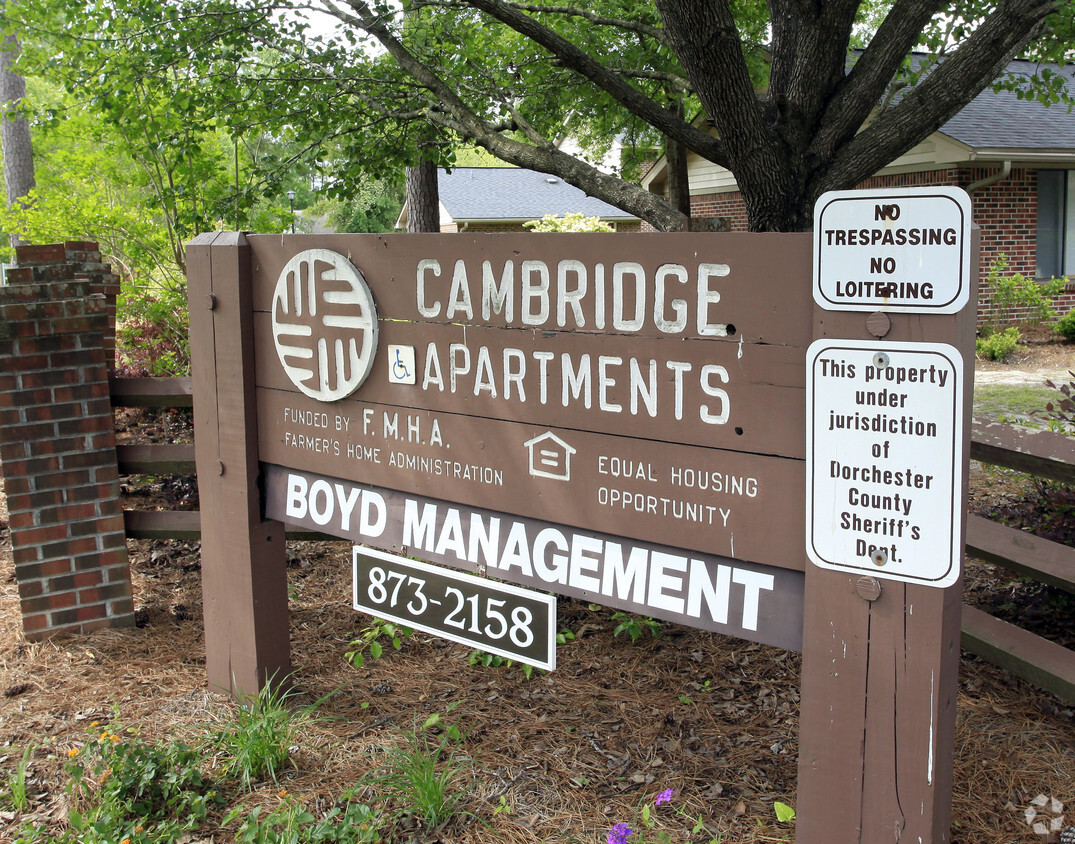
{"x": 257, "y": 738}
{"x": 634, "y": 626}
{"x": 568, "y": 223}
{"x": 1065, "y": 326}
{"x": 1008, "y": 297}
{"x": 369, "y": 640}
{"x": 998, "y": 346}
{"x": 153, "y": 331}
{"x": 123, "y": 788}
{"x": 293, "y": 823}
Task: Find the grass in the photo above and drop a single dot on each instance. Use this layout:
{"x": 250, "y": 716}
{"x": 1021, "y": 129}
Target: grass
{"x": 423, "y": 778}
{"x": 13, "y": 792}
{"x": 1010, "y": 402}
{"x": 257, "y": 737}
{"x": 122, "y": 788}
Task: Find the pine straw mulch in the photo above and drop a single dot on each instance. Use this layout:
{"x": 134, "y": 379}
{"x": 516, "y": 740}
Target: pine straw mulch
{"x": 572, "y": 752}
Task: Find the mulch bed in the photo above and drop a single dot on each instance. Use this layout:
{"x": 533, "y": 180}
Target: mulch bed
{"x": 571, "y": 753}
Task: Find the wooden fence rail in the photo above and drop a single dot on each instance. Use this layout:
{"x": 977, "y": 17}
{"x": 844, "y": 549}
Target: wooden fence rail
{"x": 164, "y": 459}
{"x": 1049, "y": 455}
{"x": 1042, "y": 453}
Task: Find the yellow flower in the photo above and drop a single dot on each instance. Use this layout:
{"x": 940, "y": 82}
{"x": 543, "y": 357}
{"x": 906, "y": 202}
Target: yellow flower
{"x": 139, "y": 828}
{"x": 125, "y": 841}
{"x": 95, "y": 723}
{"x": 72, "y": 752}
{"x": 283, "y": 792}
{"x": 115, "y": 739}
{"x": 104, "y": 735}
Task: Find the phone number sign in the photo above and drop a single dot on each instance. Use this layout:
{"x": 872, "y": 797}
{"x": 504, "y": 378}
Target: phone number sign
{"x": 495, "y": 617}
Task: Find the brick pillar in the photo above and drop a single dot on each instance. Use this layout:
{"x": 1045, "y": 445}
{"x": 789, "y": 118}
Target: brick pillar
{"x": 74, "y": 260}
{"x": 57, "y": 448}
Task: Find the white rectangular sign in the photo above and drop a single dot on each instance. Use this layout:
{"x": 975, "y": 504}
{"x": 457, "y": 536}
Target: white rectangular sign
{"x": 884, "y": 468}
{"x": 898, "y": 250}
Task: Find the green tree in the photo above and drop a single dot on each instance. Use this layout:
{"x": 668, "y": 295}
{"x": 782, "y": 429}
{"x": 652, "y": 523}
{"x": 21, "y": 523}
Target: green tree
{"x": 374, "y": 207}
{"x": 792, "y": 115}
{"x": 14, "y": 128}
{"x": 88, "y": 187}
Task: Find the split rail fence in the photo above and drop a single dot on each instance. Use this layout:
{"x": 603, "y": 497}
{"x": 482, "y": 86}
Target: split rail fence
{"x": 1041, "y": 453}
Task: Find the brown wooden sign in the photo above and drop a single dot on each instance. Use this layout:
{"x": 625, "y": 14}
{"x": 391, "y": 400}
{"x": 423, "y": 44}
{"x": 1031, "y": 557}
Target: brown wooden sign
{"x": 759, "y": 603}
{"x": 644, "y": 385}
{"x": 619, "y": 418}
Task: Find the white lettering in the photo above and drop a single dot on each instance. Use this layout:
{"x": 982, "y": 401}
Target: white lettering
{"x": 459, "y": 297}
{"x": 426, "y": 310}
{"x": 296, "y": 497}
{"x": 679, "y": 306}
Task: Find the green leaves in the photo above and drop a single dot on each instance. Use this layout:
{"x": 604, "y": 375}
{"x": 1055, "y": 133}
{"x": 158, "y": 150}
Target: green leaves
{"x": 382, "y": 86}
{"x": 784, "y": 812}
{"x": 369, "y": 640}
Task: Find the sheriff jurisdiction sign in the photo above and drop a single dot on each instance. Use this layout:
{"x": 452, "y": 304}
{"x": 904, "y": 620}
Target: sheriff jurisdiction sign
{"x": 884, "y": 463}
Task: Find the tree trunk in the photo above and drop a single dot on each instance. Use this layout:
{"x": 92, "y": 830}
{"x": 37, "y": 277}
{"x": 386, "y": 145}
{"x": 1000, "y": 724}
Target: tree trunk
{"x": 14, "y": 133}
{"x": 423, "y": 198}
{"x": 679, "y": 189}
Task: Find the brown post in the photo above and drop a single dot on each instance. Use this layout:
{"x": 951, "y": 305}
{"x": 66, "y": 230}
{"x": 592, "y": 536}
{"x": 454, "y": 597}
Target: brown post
{"x": 244, "y": 577}
{"x": 880, "y": 668}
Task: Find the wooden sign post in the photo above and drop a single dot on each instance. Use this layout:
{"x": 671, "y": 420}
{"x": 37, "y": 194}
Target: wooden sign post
{"x": 616, "y": 418}
{"x": 244, "y": 565}
{"x": 881, "y": 655}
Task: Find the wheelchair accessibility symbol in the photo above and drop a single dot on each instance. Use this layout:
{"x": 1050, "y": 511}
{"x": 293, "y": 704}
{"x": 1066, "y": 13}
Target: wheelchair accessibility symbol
{"x": 401, "y": 368}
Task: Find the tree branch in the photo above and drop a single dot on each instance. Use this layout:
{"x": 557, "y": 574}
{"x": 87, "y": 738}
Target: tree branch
{"x": 706, "y": 41}
{"x": 871, "y": 75}
{"x": 674, "y": 79}
{"x": 545, "y": 158}
{"x": 654, "y": 32}
{"x": 608, "y": 81}
{"x": 946, "y": 90}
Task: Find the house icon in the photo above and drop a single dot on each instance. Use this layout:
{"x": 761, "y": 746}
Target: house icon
{"x": 550, "y": 457}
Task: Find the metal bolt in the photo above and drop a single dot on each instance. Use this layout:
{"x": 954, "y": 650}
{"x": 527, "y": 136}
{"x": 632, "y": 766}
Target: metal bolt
{"x": 880, "y": 360}
{"x": 879, "y": 557}
{"x": 220, "y": 467}
{"x": 210, "y": 301}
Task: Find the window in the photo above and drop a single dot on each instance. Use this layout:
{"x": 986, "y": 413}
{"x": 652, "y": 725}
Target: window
{"x": 1056, "y": 223}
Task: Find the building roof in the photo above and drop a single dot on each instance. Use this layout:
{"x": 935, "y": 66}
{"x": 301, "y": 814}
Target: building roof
{"x": 486, "y": 194}
{"x": 999, "y": 120}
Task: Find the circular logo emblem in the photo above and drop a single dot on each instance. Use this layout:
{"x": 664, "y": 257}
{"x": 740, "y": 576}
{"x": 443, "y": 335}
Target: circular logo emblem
{"x": 324, "y": 323}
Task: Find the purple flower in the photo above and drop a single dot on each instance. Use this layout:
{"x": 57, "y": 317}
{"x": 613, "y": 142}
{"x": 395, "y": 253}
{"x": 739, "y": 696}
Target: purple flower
{"x": 664, "y": 797}
{"x": 618, "y": 834}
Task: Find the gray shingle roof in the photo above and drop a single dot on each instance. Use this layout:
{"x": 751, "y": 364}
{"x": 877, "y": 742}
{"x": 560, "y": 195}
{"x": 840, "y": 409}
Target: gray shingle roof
{"x": 512, "y": 193}
{"x": 1000, "y": 120}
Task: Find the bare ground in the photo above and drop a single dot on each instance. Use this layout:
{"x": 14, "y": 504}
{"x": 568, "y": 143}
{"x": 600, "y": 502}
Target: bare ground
{"x": 571, "y": 752}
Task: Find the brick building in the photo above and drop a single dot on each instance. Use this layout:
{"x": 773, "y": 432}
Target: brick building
{"x": 1015, "y": 157}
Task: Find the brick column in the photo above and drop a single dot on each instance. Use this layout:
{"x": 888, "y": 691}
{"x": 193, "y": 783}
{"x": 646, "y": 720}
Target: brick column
{"x": 57, "y": 448}
{"x": 74, "y": 260}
